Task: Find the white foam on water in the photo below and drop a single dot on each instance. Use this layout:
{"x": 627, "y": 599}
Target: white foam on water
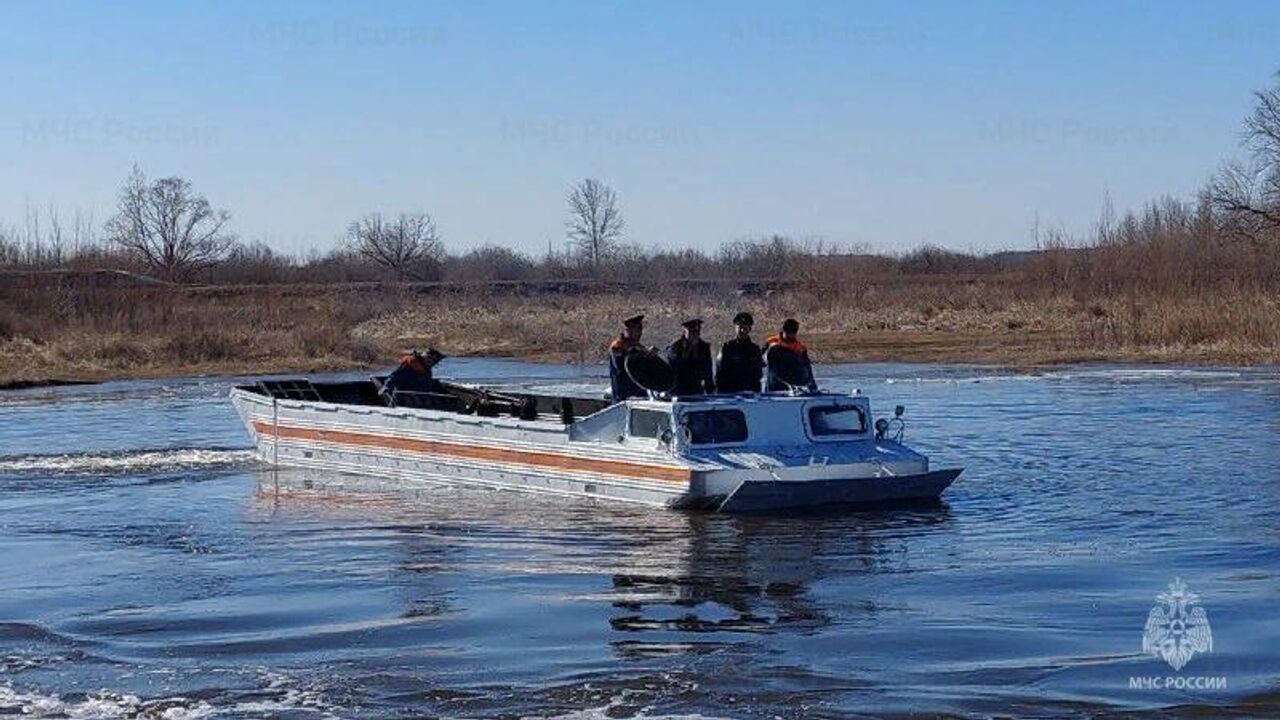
{"x": 102, "y": 704}
{"x": 287, "y": 697}
{"x": 125, "y": 462}
{"x": 1152, "y": 373}
{"x": 620, "y": 708}
{"x": 963, "y": 379}
{"x": 1117, "y": 374}
{"x": 616, "y": 710}
{"x": 627, "y": 702}
{"x": 29, "y": 703}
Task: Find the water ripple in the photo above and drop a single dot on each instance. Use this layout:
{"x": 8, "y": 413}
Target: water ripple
{"x": 148, "y": 554}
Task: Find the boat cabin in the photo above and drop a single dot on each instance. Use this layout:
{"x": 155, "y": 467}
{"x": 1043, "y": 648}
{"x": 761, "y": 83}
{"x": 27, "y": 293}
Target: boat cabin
{"x": 731, "y": 422}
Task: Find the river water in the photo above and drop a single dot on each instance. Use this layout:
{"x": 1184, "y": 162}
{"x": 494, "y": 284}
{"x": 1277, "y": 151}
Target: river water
{"x": 149, "y": 568}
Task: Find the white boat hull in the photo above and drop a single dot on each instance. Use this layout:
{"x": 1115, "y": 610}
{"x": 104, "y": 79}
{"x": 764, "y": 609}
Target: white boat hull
{"x": 537, "y": 456}
{"x": 388, "y": 444}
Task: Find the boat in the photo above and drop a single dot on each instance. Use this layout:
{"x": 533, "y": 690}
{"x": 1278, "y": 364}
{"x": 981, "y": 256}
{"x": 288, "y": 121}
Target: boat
{"x": 748, "y": 452}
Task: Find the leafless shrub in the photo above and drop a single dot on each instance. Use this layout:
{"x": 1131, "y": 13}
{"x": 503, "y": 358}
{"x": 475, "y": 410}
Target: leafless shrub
{"x": 409, "y": 246}
{"x": 9, "y": 251}
{"x": 255, "y": 263}
{"x": 1248, "y": 194}
{"x": 113, "y": 351}
{"x": 933, "y": 260}
{"x": 168, "y": 227}
{"x": 339, "y": 266}
{"x": 48, "y": 239}
{"x": 771, "y": 258}
{"x": 490, "y": 263}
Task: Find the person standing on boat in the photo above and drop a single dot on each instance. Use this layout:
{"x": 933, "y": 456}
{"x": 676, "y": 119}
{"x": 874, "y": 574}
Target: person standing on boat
{"x": 413, "y": 375}
{"x": 690, "y": 357}
{"x": 621, "y": 385}
{"x": 739, "y": 366}
{"x": 787, "y": 360}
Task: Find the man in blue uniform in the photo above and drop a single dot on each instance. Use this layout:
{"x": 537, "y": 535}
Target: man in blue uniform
{"x": 739, "y": 366}
{"x": 690, "y": 357}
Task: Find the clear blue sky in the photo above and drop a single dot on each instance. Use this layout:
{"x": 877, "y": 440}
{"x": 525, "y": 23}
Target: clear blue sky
{"x": 887, "y": 124}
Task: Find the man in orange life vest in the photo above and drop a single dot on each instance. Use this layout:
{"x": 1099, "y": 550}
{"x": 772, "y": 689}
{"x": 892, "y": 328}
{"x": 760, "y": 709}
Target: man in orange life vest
{"x": 621, "y": 385}
{"x": 787, "y": 360}
{"x": 413, "y": 375}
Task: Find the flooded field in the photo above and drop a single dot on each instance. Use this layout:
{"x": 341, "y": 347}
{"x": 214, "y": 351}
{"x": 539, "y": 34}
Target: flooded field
{"x": 150, "y": 568}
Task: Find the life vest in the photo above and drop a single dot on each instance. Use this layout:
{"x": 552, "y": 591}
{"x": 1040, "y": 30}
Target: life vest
{"x": 622, "y": 344}
{"x": 414, "y": 363}
{"x": 794, "y": 346}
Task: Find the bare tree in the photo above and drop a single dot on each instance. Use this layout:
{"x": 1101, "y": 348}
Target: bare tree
{"x": 1248, "y": 194}
{"x": 595, "y": 222}
{"x": 402, "y": 245}
{"x": 50, "y": 240}
{"x": 1238, "y": 193}
{"x": 168, "y": 227}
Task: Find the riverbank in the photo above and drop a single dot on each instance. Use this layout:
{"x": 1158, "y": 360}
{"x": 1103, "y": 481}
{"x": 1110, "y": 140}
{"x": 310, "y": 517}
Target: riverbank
{"x": 101, "y": 331}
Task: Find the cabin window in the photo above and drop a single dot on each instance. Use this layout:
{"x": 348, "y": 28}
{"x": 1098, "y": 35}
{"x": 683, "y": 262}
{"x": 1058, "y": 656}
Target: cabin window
{"x": 711, "y": 427}
{"x": 649, "y": 423}
{"x": 837, "y": 420}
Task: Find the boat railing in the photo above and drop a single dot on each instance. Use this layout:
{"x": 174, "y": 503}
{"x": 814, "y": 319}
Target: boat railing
{"x": 289, "y": 389}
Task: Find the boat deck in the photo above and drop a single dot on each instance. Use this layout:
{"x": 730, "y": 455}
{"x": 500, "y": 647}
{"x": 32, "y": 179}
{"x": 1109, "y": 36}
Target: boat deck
{"x": 461, "y": 399}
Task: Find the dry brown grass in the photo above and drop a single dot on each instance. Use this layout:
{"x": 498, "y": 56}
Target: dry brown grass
{"x": 64, "y": 329}
{"x": 61, "y": 328}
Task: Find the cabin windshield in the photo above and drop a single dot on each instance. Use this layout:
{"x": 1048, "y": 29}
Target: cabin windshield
{"x": 834, "y": 420}
{"x": 648, "y": 423}
{"x": 712, "y": 427}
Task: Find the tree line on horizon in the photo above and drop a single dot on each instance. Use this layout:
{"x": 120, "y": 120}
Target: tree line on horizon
{"x": 166, "y": 229}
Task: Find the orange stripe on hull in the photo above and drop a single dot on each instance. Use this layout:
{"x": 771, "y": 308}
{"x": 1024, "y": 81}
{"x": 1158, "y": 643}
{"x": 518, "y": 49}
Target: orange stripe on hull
{"x": 531, "y": 458}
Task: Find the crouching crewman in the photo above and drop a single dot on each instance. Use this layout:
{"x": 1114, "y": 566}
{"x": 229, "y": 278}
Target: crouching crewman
{"x": 413, "y": 375}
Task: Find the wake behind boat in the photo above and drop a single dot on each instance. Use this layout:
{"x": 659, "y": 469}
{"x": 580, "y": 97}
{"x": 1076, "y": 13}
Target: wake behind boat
{"x": 748, "y": 452}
